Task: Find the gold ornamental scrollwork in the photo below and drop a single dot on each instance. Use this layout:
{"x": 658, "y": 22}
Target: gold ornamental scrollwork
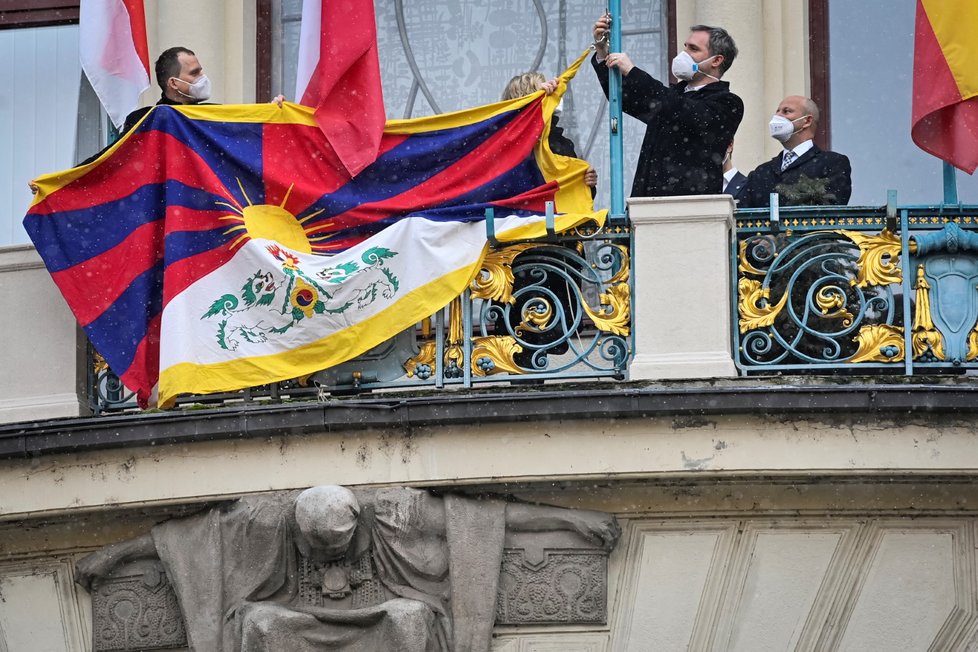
{"x": 756, "y": 309}
{"x": 832, "y": 302}
{"x": 453, "y": 350}
{"x": 426, "y": 356}
{"x": 744, "y": 266}
{"x": 536, "y": 314}
{"x": 499, "y": 351}
{"x": 879, "y": 343}
{"x": 98, "y": 363}
{"x": 615, "y": 312}
{"x": 973, "y": 344}
{"x": 495, "y": 279}
{"x": 925, "y": 336}
{"x": 879, "y": 257}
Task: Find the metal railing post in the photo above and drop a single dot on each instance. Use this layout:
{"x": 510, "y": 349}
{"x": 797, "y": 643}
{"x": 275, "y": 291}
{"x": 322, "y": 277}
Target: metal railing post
{"x": 615, "y": 119}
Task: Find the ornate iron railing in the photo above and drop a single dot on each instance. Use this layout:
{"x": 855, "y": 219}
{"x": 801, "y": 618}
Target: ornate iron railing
{"x": 542, "y": 310}
{"x": 888, "y": 290}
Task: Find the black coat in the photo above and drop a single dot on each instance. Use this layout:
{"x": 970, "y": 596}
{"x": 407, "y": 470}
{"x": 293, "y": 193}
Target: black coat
{"x": 686, "y": 136}
{"x": 736, "y": 186}
{"x": 814, "y": 164}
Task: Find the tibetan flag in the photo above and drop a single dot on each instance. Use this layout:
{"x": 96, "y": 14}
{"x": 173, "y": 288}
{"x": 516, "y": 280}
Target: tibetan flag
{"x": 114, "y": 54}
{"x": 945, "y": 82}
{"x": 214, "y": 248}
{"x": 339, "y": 76}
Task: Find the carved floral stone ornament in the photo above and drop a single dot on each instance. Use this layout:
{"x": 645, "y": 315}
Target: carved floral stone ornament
{"x": 331, "y": 568}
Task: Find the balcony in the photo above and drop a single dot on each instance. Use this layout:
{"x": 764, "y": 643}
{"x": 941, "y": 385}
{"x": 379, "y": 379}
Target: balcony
{"x": 855, "y": 290}
{"x": 803, "y": 292}
{"x": 713, "y": 459}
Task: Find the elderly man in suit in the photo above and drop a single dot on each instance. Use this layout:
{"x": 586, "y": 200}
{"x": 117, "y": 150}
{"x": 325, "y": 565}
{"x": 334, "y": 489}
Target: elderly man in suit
{"x": 802, "y": 174}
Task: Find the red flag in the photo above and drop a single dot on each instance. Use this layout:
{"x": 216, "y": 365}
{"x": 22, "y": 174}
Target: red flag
{"x": 339, "y": 75}
{"x": 114, "y": 55}
{"x": 945, "y": 82}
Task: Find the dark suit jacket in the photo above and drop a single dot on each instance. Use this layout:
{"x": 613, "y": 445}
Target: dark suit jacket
{"x": 814, "y": 164}
{"x": 686, "y": 136}
{"x": 736, "y": 186}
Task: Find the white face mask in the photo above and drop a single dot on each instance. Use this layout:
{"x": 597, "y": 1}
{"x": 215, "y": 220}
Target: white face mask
{"x": 685, "y": 67}
{"x": 782, "y": 128}
{"x": 200, "y": 90}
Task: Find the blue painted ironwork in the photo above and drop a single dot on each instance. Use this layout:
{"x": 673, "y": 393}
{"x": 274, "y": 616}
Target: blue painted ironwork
{"x": 562, "y": 293}
{"x": 950, "y": 184}
{"x": 615, "y": 123}
{"x": 826, "y": 288}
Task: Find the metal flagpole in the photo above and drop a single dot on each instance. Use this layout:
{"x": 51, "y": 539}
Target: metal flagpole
{"x": 614, "y": 118}
{"x": 950, "y": 184}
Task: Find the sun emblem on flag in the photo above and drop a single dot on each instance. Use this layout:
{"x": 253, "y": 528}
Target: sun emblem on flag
{"x": 276, "y": 223}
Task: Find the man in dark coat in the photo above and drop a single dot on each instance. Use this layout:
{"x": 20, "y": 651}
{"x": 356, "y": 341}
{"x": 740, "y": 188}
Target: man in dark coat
{"x": 182, "y": 81}
{"x": 689, "y": 124}
{"x": 802, "y": 174}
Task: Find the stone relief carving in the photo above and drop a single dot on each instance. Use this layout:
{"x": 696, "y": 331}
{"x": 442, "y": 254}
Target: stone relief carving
{"x": 331, "y": 568}
{"x": 135, "y": 608}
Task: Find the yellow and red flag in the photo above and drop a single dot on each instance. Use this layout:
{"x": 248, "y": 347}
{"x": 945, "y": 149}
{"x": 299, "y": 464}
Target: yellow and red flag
{"x": 945, "y": 82}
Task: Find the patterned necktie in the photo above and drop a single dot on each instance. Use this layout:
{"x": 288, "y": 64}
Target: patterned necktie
{"x": 788, "y": 158}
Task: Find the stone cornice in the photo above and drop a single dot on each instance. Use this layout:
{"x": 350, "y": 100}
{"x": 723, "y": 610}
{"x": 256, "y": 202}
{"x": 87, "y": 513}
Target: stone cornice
{"x": 604, "y": 401}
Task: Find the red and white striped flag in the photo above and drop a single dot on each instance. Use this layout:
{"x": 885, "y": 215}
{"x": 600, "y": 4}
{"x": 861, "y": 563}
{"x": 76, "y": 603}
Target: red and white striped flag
{"x": 339, "y": 75}
{"x": 114, "y": 54}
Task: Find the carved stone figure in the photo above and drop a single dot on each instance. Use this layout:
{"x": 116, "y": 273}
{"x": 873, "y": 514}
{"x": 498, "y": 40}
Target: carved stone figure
{"x": 331, "y": 568}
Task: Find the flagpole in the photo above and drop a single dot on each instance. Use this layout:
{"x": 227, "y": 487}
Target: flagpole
{"x": 615, "y": 118}
{"x": 950, "y": 184}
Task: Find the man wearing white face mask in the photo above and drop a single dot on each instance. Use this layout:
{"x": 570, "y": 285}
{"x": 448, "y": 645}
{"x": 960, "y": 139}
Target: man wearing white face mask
{"x": 802, "y": 174}
{"x": 689, "y": 124}
{"x": 182, "y": 80}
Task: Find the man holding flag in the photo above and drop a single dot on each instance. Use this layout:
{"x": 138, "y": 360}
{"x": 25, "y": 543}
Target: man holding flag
{"x": 221, "y": 247}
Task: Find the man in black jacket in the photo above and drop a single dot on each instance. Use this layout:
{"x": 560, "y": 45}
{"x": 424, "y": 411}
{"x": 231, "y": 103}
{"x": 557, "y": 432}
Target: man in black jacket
{"x": 802, "y": 174}
{"x": 689, "y": 124}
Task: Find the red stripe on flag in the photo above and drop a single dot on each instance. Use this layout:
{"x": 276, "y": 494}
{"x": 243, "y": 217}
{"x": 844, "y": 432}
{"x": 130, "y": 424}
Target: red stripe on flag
{"x": 496, "y": 155}
{"x": 144, "y": 372}
{"x": 137, "y": 24}
{"x": 94, "y": 285}
{"x": 533, "y": 200}
{"x": 185, "y": 272}
{"x": 127, "y": 170}
{"x": 941, "y": 124}
{"x": 300, "y": 155}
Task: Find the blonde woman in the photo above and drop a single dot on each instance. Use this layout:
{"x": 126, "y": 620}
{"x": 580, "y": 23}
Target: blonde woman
{"x": 531, "y": 82}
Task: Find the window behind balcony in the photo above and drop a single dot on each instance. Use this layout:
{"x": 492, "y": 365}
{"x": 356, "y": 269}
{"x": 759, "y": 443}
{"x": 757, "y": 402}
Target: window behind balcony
{"x": 49, "y": 118}
{"x": 439, "y": 55}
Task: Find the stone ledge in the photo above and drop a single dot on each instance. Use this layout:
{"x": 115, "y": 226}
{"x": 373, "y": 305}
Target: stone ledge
{"x": 401, "y": 414}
